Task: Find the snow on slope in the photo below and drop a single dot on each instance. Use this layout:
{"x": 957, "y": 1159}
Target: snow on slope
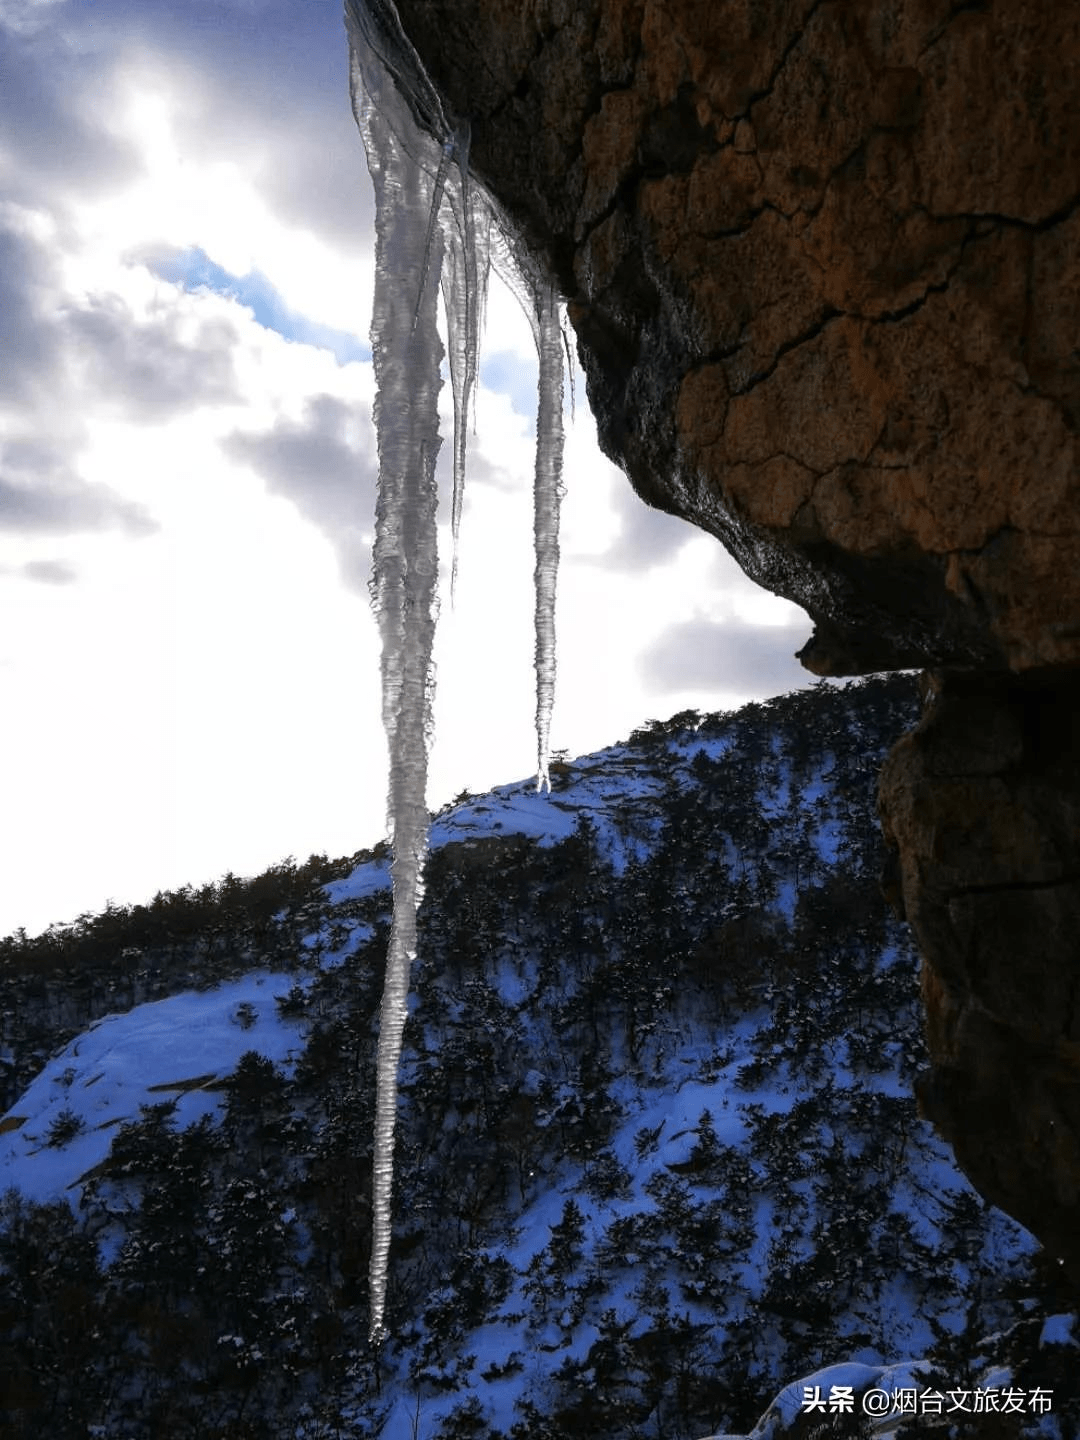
{"x": 611, "y": 789}
{"x": 183, "y": 1047}
{"x": 608, "y": 788}
{"x": 177, "y": 1049}
{"x": 739, "y": 1071}
{"x": 854, "y": 1379}
{"x": 670, "y": 1106}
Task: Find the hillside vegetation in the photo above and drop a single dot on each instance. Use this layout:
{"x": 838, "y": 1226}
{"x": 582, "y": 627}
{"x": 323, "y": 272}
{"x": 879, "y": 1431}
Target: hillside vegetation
{"x": 658, "y": 1154}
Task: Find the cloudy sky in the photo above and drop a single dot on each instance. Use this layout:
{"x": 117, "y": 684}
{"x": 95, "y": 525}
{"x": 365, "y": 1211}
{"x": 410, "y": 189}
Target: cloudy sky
{"x": 188, "y": 660}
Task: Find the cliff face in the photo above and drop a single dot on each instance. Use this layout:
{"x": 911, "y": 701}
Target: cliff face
{"x": 823, "y": 261}
{"x": 982, "y": 802}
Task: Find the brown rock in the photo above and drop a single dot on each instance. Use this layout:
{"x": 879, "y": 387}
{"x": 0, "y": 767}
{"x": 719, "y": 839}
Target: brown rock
{"x": 866, "y": 213}
{"x": 982, "y": 803}
{"x": 823, "y": 261}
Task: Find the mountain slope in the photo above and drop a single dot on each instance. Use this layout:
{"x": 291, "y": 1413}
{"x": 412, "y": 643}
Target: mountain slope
{"x": 657, "y": 1154}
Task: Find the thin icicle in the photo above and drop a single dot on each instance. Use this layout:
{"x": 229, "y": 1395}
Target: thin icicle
{"x": 547, "y": 493}
{"x": 538, "y": 299}
{"x": 407, "y": 352}
{"x": 464, "y": 283}
{"x": 434, "y": 231}
{"x": 570, "y": 369}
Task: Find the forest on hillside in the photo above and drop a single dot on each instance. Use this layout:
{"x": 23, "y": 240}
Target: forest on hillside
{"x": 658, "y": 1154}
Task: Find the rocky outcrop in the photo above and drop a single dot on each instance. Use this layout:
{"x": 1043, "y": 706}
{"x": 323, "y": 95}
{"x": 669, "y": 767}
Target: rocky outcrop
{"x": 982, "y": 805}
{"x": 823, "y": 262}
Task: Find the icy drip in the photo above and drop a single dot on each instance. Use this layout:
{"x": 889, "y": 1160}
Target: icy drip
{"x": 547, "y": 493}
{"x": 464, "y": 288}
{"x": 433, "y": 227}
{"x": 407, "y": 352}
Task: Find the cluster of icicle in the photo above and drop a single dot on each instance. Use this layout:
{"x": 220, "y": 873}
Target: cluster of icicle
{"x": 435, "y": 229}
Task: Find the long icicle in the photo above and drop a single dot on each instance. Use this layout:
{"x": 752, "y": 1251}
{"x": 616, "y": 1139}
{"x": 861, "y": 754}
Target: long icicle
{"x": 547, "y": 494}
{"x": 407, "y": 354}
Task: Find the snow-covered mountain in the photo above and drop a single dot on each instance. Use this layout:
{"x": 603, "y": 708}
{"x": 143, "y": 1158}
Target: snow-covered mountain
{"x": 658, "y": 1161}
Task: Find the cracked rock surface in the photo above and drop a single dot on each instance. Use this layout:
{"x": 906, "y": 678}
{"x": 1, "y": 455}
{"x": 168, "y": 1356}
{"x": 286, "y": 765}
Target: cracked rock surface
{"x": 823, "y": 262}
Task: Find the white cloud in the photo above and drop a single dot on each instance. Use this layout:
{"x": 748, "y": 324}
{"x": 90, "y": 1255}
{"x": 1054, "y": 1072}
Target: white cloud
{"x": 216, "y": 206}
{"x": 193, "y": 675}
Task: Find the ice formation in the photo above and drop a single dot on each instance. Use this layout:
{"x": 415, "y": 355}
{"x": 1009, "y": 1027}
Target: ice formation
{"x": 434, "y": 228}
{"x": 547, "y": 492}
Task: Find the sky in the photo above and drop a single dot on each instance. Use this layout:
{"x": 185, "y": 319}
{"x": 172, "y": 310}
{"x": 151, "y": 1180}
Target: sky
{"x": 188, "y": 660}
